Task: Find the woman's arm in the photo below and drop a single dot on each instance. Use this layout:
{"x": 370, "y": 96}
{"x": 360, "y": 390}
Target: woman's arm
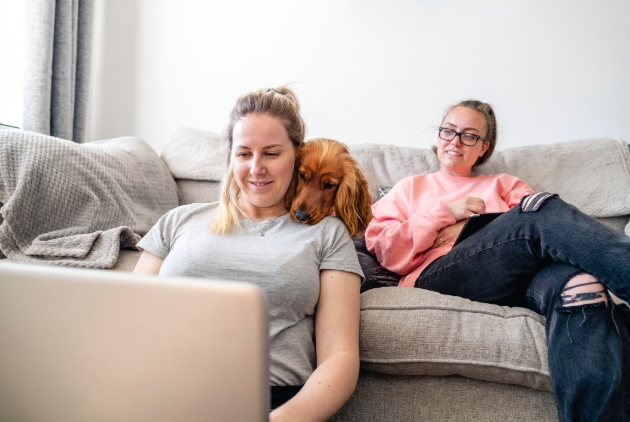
{"x": 148, "y": 264}
{"x": 337, "y": 346}
{"x": 461, "y": 208}
{"x": 514, "y": 189}
{"x": 403, "y": 229}
{"x": 511, "y": 190}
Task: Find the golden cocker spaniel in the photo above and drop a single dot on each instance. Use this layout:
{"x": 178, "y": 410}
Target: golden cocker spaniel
{"x": 329, "y": 181}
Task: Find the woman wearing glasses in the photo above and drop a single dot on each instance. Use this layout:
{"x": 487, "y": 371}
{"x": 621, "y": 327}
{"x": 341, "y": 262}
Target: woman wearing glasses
{"x": 542, "y": 253}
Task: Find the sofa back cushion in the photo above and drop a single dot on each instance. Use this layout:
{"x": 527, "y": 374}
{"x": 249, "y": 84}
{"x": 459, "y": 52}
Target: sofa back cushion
{"x": 197, "y": 160}
{"x": 196, "y": 154}
{"x": 593, "y": 174}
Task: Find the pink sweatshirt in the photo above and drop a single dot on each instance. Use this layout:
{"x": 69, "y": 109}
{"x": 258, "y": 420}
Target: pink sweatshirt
{"x": 407, "y": 219}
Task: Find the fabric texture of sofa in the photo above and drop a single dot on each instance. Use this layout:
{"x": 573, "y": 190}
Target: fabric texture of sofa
{"x": 427, "y": 356}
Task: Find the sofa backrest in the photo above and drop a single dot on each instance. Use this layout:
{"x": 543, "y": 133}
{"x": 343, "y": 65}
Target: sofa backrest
{"x": 593, "y": 174}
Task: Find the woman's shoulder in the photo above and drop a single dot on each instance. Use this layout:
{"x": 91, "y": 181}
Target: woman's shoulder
{"x": 404, "y": 185}
{"x": 505, "y": 177}
{"x": 505, "y": 183}
{"x": 331, "y": 229}
{"x": 332, "y": 221}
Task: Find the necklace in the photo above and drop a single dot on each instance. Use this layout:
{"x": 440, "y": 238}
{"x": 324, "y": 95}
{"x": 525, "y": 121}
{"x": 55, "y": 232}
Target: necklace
{"x": 262, "y": 227}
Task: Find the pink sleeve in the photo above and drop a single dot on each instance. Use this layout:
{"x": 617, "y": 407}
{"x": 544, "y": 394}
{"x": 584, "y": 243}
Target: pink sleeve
{"x": 515, "y": 190}
{"x": 398, "y": 239}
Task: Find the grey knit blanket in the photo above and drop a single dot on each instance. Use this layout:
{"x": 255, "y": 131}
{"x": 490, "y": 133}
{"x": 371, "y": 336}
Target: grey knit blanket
{"x": 77, "y": 205}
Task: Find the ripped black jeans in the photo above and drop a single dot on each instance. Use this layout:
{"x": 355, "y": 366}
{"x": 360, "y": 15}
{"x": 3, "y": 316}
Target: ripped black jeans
{"x": 524, "y": 258}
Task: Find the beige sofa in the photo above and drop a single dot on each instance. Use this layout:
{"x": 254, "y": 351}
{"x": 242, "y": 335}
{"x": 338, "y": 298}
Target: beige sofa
{"x": 427, "y": 356}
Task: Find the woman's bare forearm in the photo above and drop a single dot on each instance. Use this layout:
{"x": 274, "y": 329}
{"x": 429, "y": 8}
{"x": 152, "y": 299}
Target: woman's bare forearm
{"x": 325, "y": 392}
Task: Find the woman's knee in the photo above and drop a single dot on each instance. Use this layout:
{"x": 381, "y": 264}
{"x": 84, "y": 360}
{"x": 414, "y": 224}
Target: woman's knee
{"x": 583, "y": 289}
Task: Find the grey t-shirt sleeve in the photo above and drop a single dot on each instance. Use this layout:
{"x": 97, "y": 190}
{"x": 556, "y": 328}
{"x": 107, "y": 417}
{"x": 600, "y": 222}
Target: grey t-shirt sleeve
{"x": 338, "y": 252}
{"x": 159, "y": 239}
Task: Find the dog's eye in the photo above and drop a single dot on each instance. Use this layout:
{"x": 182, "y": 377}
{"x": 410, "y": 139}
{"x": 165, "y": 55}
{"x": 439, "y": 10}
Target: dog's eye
{"x": 302, "y": 176}
{"x": 329, "y": 185}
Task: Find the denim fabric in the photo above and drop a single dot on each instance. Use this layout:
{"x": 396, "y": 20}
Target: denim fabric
{"x": 524, "y": 259}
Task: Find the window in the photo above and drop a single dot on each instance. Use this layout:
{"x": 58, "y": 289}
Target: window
{"x": 11, "y": 61}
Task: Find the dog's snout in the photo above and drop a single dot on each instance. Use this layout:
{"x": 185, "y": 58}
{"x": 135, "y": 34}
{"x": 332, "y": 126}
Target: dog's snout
{"x": 302, "y": 215}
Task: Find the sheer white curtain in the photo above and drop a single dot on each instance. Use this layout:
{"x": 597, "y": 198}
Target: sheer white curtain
{"x": 57, "y": 67}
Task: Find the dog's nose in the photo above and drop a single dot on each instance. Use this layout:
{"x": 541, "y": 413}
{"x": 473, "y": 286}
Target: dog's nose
{"x": 302, "y": 215}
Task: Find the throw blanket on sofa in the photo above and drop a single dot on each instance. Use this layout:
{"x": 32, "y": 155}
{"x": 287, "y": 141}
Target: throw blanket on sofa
{"x": 77, "y": 204}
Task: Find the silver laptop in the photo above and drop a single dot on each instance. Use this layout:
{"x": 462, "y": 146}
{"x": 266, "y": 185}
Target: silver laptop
{"x": 94, "y": 345}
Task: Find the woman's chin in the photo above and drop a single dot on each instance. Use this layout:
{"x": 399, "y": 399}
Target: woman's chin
{"x": 249, "y": 199}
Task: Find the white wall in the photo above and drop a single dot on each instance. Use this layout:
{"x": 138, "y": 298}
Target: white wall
{"x": 369, "y": 71}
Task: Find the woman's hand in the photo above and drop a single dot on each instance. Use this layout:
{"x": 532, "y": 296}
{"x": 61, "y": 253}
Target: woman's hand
{"x": 465, "y": 206}
{"x": 448, "y": 234}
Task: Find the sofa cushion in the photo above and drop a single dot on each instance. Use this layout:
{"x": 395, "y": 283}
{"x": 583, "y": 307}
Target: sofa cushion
{"x": 198, "y": 191}
{"x": 196, "y": 154}
{"x": 592, "y": 174}
{"x": 384, "y": 397}
{"x": 409, "y": 331}
{"x": 620, "y": 223}
{"x": 127, "y": 260}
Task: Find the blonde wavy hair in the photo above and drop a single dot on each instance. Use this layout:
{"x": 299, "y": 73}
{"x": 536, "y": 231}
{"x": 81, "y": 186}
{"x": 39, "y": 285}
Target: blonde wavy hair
{"x": 281, "y": 103}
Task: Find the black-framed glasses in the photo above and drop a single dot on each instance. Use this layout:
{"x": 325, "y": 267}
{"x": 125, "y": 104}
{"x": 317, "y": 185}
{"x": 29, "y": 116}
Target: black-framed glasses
{"x": 469, "y": 139}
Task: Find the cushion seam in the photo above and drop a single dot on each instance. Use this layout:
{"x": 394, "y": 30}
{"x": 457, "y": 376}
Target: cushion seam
{"x": 467, "y": 363}
{"x": 416, "y": 308}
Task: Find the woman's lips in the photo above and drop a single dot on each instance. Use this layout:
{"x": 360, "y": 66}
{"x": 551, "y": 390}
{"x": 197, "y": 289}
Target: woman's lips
{"x": 454, "y": 153}
{"x": 259, "y": 185}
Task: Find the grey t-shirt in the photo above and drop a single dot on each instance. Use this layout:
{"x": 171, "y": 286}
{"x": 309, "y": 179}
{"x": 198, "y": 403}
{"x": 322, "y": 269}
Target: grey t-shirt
{"x": 285, "y": 263}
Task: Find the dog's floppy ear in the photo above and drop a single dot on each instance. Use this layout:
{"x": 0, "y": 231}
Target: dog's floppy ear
{"x": 353, "y": 202}
{"x": 292, "y": 191}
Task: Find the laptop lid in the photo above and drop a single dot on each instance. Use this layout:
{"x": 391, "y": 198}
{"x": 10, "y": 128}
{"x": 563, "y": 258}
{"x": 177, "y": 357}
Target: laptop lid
{"x": 95, "y": 345}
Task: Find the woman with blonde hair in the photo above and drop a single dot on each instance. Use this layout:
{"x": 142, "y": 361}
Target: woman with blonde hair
{"x": 541, "y": 253}
{"x": 310, "y": 274}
